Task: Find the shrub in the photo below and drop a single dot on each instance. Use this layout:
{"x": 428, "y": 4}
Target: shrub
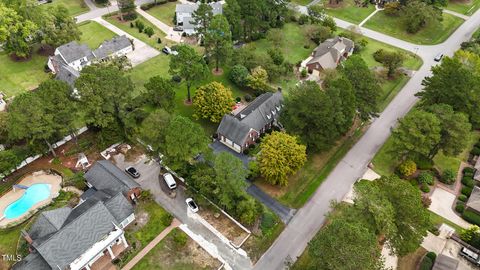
{"x": 424, "y": 163}
{"x": 166, "y": 219}
{"x": 471, "y": 217}
{"x": 448, "y": 177}
{"x": 303, "y": 73}
{"x": 238, "y": 75}
{"x": 130, "y": 16}
{"x": 238, "y": 99}
{"x": 392, "y": 8}
{"x": 426, "y": 263}
{"x": 468, "y": 181}
{"x": 468, "y": 174}
{"x": 424, "y": 188}
{"x": 147, "y": 6}
{"x": 475, "y": 151}
{"x": 460, "y": 207}
{"x": 407, "y": 168}
{"x": 246, "y": 151}
{"x": 159, "y": 40}
{"x": 131, "y": 25}
{"x": 431, "y": 255}
{"x": 462, "y": 198}
{"x": 425, "y": 177}
{"x": 467, "y": 191}
{"x": 426, "y": 201}
{"x": 248, "y": 97}
{"x": 140, "y": 25}
{"x": 149, "y": 31}
{"x": 468, "y": 170}
{"x": 303, "y": 19}
{"x": 176, "y": 78}
{"x": 179, "y": 238}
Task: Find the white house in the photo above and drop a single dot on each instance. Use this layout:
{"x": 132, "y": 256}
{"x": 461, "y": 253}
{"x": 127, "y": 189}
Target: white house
{"x": 184, "y": 13}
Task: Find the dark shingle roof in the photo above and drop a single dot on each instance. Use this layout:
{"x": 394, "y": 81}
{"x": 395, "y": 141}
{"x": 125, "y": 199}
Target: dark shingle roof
{"x": 32, "y": 261}
{"x": 329, "y": 47}
{"x": 49, "y": 222}
{"x": 67, "y": 74}
{"x": 109, "y": 47}
{"x": 233, "y": 129}
{"x": 474, "y": 199}
{"x": 73, "y": 51}
{"x": 105, "y": 175}
{"x": 443, "y": 262}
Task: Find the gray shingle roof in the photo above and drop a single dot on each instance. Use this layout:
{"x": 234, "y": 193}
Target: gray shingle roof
{"x": 443, "y": 262}
{"x": 32, "y": 261}
{"x": 474, "y": 200}
{"x": 119, "y": 207}
{"x": 109, "y": 47}
{"x": 327, "y": 53}
{"x": 73, "y": 51}
{"x": 105, "y": 175}
{"x": 49, "y": 222}
{"x": 233, "y": 129}
{"x": 67, "y": 74}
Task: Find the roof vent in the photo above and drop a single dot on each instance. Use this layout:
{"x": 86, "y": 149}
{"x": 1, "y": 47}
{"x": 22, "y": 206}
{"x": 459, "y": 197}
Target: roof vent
{"x": 242, "y": 116}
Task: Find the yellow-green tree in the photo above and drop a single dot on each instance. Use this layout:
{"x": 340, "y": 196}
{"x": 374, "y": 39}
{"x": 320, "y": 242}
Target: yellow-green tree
{"x": 281, "y": 155}
{"x": 212, "y": 101}
{"x": 258, "y": 79}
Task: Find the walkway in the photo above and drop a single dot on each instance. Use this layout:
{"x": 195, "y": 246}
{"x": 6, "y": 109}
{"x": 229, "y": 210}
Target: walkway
{"x": 168, "y": 30}
{"x": 90, "y": 4}
{"x": 462, "y": 16}
{"x": 370, "y": 16}
{"x": 142, "y": 52}
{"x": 151, "y": 245}
{"x": 442, "y": 203}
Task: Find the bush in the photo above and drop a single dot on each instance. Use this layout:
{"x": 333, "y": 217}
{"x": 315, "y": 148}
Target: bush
{"x": 166, "y": 219}
{"x": 467, "y": 191}
{"x": 468, "y": 181}
{"x": 425, "y": 177}
{"x": 159, "y": 40}
{"x": 462, "y": 198}
{"x": 131, "y": 25}
{"x": 246, "y": 151}
{"x": 468, "y": 174}
{"x": 176, "y": 78}
{"x": 149, "y": 31}
{"x": 248, "y": 97}
{"x": 448, "y": 177}
{"x": 238, "y": 99}
{"x": 460, "y": 207}
{"x": 238, "y": 75}
{"x": 147, "y": 6}
{"x": 140, "y": 25}
{"x": 424, "y": 163}
{"x": 303, "y": 73}
{"x": 475, "y": 151}
{"x": 130, "y": 16}
{"x": 471, "y": 217}
{"x": 426, "y": 263}
{"x": 303, "y": 19}
{"x": 468, "y": 170}
{"x": 407, "y": 168}
{"x": 179, "y": 238}
{"x": 424, "y": 188}
{"x": 426, "y": 201}
{"x": 432, "y": 256}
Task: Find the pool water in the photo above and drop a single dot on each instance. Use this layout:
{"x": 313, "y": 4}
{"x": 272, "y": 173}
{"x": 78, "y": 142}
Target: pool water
{"x": 33, "y": 195}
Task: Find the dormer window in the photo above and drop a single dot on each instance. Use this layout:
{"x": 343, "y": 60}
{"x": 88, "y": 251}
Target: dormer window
{"x": 242, "y": 116}
{"x": 269, "y": 116}
{"x": 274, "y": 112}
{"x": 278, "y": 108}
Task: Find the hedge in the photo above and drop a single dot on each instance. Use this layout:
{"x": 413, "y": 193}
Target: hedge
{"x": 460, "y": 207}
{"x": 426, "y": 263}
{"x": 468, "y": 170}
{"x": 468, "y": 181}
{"x": 432, "y": 255}
{"x": 467, "y": 191}
{"x": 471, "y": 217}
{"x": 424, "y": 188}
{"x": 462, "y": 198}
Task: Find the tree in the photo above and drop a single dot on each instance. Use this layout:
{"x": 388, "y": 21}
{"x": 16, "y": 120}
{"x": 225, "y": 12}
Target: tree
{"x": 316, "y": 14}
{"x": 394, "y": 207}
{"x": 417, "y": 134}
{"x": 276, "y": 37}
{"x": 153, "y": 129}
{"x": 343, "y": 102}
{"x": 230, "y": 177}
{"x": 59, "y": 27}
{"x": 149, "y": 31}
{"x": 309, "y": 114}
{"x": 126, "y": 7}
{"x": 258, "y": 79}
{"x": 16, "y": 32}
{"x": 417, "y": 14}
{"x": 364, "y": 84}
{"x": 251, "y": 12}
{"x": 317, "y": 33}
{"x": 390, "y": 60}
{"x": 188, "y": 65}
{"x": 280, "y": 148}
{"x": 183, "y": 140}
{"x": 212, "y": 101}
{"x": 202, "y": 18}
{"x": 343, "y": 238}
{"x": 232, "y": 12}
{"x": 218, "y": 40}
{"x": 104, "y": 93}
{"x": 160, "y": 92}
{"x": 238, "y": 75}
{"x": 454, "y": 84}
{"x": 8, "y": 161}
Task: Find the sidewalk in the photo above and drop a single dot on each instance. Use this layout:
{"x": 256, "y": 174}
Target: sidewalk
{"x": 151, "y": 245}
{"x": 456, "y": 14}
{"x": 168, "y": 30}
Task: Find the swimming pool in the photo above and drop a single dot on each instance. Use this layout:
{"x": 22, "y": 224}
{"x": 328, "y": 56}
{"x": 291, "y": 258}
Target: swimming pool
{"x": 34, "y": 194}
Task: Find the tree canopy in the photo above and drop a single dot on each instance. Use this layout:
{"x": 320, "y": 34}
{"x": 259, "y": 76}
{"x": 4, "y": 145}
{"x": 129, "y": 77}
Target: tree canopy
{"x": 218, "y": 40}
{"x": 212, "y": 101}
{"x": 160, "y": 93}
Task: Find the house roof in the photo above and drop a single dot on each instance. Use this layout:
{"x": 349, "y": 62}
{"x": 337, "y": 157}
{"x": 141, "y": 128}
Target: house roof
{"x": 329, "y": 52}
{"x": 73, "y": 51}
{"x": 263, "y": 110}
{"x": 60, "y": 236}
{"x": 187, "y": 20}
{"x": 67, "y": 74}
{"x": 32, "y": 261}
{"x": 443, "y": 262}
{"x": 474, "y": 200}
{"x": 111, "y": 46}
{"x": 105, "y": 175}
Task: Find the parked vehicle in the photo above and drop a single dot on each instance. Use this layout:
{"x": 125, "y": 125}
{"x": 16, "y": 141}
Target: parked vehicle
{"x": 192, "y": 205}
{"x": 439, "y": 57}
{"x": 167, "y": 50}
{"x": 178, "y": 28}
{"x": 170, "y": 181}
{"x": 132, "y": 172}
{"x": 470, "y": 255}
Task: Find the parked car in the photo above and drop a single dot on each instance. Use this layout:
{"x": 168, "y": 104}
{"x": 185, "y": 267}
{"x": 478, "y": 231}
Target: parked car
{"x": 470, "y": 255}
{"x": 192, "y": 205}
{"x": 439, "y": 57}
{"x": 167, "y": 50}
{"x": 178, "y": 28}
{"x": 132, "y": 172}
{"x": 170, "y": 181}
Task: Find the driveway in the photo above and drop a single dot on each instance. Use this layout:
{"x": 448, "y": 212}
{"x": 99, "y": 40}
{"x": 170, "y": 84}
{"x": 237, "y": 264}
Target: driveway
{"x": 219, "y": 147}
{"x": 442, "y": 203}
{"x": 285, "y": 213}
{"x": 217, "y": 247}
{"x": 168, "y": 30}
{"x": 142, "y": 52}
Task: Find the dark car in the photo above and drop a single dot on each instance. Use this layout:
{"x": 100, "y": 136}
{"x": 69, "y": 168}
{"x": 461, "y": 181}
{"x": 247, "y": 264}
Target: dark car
{"x": 178, "y": 28}
{"x": 132, "y": 172}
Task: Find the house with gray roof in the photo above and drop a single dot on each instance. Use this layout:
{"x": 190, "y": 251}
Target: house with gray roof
{"x": 443, "y": 262}
{"x": 329, "y": 54}
{"x": 473, "y": 203}
{"x": 80, "y": 237}
{"x": 476, "y": 175}
{"x": 184, "y": 13}
{"x": 240, "y": 131}
{"x": 69, "y": 59}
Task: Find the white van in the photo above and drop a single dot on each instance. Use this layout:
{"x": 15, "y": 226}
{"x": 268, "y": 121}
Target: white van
{"x": 168, "y": 178}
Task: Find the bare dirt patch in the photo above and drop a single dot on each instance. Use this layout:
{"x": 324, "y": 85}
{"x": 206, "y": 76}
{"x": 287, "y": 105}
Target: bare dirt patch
{"x": 224, "y": 225}
{"x": 218, "y": 72}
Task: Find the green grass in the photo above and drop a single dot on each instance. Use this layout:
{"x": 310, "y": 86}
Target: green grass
{"x": 19, "y": 76}
{"x": 348, "y": 11}
{"x": 390, "y": 89}
{"x": 443, "y": 162}
{"x": 385, "y": 161}
{"x": 302, "y": 2}
{"x": 433, "y": 33}
{"x": 438, "y": 220}
{"x": 93, "y": 34}
{"x": 463, "y": 7}
{"x": 152, "y": 41}
{"x": 164, "y": 13}
{"x": 74, "y": 7}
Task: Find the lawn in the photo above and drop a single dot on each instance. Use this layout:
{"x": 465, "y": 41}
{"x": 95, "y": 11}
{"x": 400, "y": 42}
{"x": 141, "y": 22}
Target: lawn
{"x": 433, "y": 33}
{"x": 93, "y": 34}
{"x": 19, "y": 76}
{"x": 164, "y": 13}
{"x": 439, "y": 220}
{"x": 172, "y": 254}
{"x": 348, "y": 11}
{"x": 302, "y": 2}
{"x": 464, "y": 7}
{"x": 411, "y": 260}
{"x": 74, "y": 7}
{"x": 125, "y": 26}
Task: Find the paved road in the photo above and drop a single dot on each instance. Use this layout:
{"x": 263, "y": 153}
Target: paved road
{"x": 310, "y": 218}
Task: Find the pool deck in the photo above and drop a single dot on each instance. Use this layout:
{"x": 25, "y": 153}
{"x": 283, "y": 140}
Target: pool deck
{"x": 40, "y": 177}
